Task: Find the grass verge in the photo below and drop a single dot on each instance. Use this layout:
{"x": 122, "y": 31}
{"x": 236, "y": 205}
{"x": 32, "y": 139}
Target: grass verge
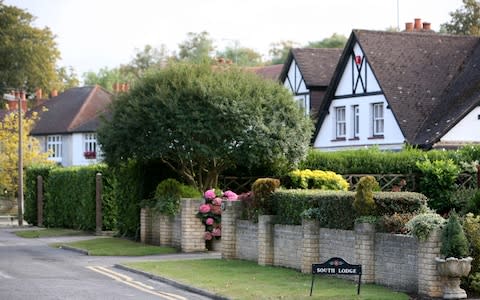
{"x": 118, "y": 247}
{"x": 238, "y": 279}
{"x": 49, "y": 232}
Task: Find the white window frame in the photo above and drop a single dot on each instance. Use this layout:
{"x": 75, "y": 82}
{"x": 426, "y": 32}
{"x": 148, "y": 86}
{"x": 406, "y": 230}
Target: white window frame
{"x": 378, "y": 119}
{"x": 54, "y": 146}
{"x": 340, "y": 122}
{"x": 356, "y": 121}
{"x": 90, "y": 142}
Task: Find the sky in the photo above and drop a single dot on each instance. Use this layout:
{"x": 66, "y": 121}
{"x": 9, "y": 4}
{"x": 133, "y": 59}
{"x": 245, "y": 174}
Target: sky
{"x": 92, "y": 34}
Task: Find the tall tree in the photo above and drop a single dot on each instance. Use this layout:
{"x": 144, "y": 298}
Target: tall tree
{"x": 27, "y": 54}
{"x": 198, "y": 47}
{"x": 200, "y": 120}
{"x": 241, "y": 56}
{"x": 67, "y": 78}
{"x": 335, "y": 41}
{"x": 9, "y": 147}
{"x": 146, "y": 59}
{"x": 279, "y": 51}
{"x": 106, "y": 78}
{"x": 465, "y": 20}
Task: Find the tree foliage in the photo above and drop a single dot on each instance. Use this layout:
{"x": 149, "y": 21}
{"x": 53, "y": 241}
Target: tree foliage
{"x": 279, "y": 51}
{"x": 9, "y": 150}
{"x": 200, "y": 120}
{"x": 465, "y": 20}
{"x": 27, "y": 54}
{"x": 335, "y": 41}
{"x": 198, "y": 47}
{"x": 106, "y": 78}
{"x": 241, "y": 56}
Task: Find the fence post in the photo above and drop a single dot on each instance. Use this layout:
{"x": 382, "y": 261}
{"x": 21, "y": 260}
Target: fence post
{"x": 98, "y": 206}
{"x": 39, "y": 201}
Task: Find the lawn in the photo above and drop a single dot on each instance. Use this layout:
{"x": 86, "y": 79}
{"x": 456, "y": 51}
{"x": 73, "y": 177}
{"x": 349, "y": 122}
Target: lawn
{"x": 49, "y": 232}
{"x": 107, "y": 246}
{"x": 238, "y": 279}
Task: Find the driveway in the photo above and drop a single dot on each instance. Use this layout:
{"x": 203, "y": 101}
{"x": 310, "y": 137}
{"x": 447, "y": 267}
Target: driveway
{"x": 30, "y": 269}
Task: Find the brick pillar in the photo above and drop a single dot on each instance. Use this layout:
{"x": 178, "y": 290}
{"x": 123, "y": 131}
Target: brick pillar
{"x": 192, "y": 227}
{"x": 145, "y": 225}
{"x": 165, "y": 227}
{"x": 365, "y": 250}
{"x": 311, "y": 244}
{"x": 265, "y": 240}
{"x": 231, "y": 212}
{"x": 429, "y": 281}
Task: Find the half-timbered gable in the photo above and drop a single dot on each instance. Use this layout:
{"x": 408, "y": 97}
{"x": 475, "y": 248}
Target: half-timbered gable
{"x": 395, "y": 88}
{"x": 307, "y": 73}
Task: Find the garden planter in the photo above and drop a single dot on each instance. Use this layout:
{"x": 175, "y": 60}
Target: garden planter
{"x": 451, "y": 270}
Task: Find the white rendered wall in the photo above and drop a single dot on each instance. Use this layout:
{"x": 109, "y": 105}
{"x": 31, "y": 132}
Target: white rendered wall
{"x": 467, "y": 130}
{"x": 392, "y": 137}
{"x": 78, "y": 149}
{"x": 295, "y": 83}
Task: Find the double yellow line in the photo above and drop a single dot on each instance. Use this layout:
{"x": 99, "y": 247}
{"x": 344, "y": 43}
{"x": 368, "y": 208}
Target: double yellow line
{"x": 135, "y": 284}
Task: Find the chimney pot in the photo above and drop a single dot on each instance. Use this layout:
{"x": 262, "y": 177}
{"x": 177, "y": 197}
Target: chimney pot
{"x": 38, "y": 94}
{"x": 418, "y": 23}
{"x": 54, "y": 93}
{"x": 409, "y": 27}
{"x": 426, "y": 26}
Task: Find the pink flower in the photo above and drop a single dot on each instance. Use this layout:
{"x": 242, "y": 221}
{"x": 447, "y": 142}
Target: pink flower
{"x": 210, "y": 194}
{"x": 207, "y": 235}
{"x": 230, "y": 195}
{"x": 209, "y": 221}
{"x": 217, "y": 232}
{"x": 204, "y": 208}
{"x": 217, "y": 201}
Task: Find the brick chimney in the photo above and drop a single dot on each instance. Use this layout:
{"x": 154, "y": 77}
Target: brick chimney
{"x": 426, "y": 26}
{"x": 54, "y": 93}
{"x": 418, "y": 24}
{"x": 409, "y": 27}
{"x": 13, "y": 105}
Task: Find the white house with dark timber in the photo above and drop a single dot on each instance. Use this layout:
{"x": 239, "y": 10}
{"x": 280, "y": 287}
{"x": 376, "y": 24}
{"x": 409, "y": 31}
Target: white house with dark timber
{"x": 391, "y": 89}
{"x": 307, "y": 73}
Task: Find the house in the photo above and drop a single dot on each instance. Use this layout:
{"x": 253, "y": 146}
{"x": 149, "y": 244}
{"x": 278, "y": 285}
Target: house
{"x": 68, "y": 124}
{"x": 395, "y": 88}
{"x": 271, "y": 72}
{"x": 307, "y": 73}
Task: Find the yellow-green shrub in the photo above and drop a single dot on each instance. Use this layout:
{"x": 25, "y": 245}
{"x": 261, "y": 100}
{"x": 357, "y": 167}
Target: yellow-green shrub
{"x": 364, "y": 204}
{"x": 318, "y": 179}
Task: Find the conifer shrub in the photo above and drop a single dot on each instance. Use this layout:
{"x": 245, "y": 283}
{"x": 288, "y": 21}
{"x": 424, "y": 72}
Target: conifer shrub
{"x": 454, "y": 241}
{"x": 317, "y": 179}
{"x": 364, "y": 204}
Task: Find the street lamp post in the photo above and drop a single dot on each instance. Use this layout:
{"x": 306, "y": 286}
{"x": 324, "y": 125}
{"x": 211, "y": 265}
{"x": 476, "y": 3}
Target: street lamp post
{"x": 18, "y": 97}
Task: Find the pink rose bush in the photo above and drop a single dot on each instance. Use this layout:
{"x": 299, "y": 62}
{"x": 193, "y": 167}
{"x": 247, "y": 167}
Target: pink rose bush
{"x": 211, "y": 212}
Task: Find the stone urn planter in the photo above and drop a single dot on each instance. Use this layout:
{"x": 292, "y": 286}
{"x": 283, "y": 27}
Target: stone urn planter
{"x": 451, "y": 270}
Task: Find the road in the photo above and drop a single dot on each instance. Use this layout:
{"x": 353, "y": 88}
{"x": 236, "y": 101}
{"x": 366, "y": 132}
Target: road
{"x": 30, "y": 269}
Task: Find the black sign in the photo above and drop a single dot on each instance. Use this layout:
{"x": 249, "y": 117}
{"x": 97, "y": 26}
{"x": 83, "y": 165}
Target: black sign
{"x": 336, "y": 265}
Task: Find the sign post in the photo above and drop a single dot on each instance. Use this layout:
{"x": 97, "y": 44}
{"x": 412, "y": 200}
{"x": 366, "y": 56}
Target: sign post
{"x": 336, "y": 265}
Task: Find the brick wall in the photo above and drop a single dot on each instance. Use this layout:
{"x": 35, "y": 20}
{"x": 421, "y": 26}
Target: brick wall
{"x": 286, "y": 246}
{"x": 337, "y": 243}
{"x": 246, "y": 240}
{"x": 396, "y": 261}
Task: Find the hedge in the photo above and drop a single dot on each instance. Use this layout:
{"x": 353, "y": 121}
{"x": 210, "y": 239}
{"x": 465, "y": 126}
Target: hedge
{"x": 334, "y": 209}
{"x": 30, "y": 201}
{"x": 374, "y": 161}
{"x": 69, "y": 198}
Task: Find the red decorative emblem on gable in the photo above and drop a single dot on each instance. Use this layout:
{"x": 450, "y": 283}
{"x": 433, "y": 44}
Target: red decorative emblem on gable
{"x": 358, "y": 59}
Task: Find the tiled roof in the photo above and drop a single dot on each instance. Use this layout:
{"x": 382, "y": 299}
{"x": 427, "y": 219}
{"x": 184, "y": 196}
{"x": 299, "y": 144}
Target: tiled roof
{"x": 75, "y": 110}
{"x": 268, "y": 72}
{"x": 317, "y": 65}
{"x": 426, "y": 78}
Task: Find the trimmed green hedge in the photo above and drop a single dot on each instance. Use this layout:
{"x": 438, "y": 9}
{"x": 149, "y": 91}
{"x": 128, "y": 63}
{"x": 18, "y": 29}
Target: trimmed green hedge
{"x": 70, "y": 198}
{"x": 30, "y": 201}
{"x": 334, "y": 209}
{"x": 373, "y": 161}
